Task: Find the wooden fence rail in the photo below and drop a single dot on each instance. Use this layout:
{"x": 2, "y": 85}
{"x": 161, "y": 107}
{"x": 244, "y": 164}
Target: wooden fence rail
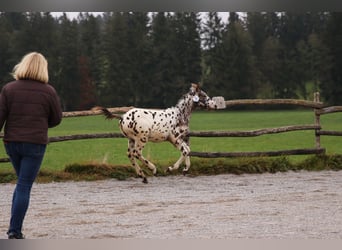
{"x": 302, "y": 151}
{"x": 316, "y": 105}
{"x": 295, "y": 102}
{"x": 253, "y": 132}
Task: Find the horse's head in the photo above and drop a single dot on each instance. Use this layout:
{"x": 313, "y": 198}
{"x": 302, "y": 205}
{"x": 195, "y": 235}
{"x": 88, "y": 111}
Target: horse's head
{"x": 200, "y": 98}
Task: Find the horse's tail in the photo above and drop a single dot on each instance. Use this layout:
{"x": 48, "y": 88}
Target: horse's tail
{"x": 107, "y": 113}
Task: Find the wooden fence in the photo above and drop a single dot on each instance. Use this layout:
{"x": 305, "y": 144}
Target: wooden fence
{"x": 316, "y": 105}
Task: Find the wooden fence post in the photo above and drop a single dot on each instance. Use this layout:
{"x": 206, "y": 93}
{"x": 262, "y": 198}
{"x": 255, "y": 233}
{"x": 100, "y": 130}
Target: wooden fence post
{"x": 317, "y": 121}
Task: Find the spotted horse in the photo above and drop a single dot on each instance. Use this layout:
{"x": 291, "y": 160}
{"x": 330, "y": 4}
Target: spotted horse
{"x": 171, "y": 124}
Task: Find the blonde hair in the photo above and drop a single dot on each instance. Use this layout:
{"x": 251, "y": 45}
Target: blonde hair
{"x": 32, "y": 66}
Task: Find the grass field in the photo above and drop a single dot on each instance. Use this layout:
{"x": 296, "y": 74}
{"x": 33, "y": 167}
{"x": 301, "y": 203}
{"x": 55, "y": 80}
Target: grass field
{"x": 113, "y": 151}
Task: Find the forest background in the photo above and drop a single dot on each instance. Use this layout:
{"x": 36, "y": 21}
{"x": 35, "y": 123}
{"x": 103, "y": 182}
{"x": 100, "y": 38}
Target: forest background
{"x": 148, "y": 59}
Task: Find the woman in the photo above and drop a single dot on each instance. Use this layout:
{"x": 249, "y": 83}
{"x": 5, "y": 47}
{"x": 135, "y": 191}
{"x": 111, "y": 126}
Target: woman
{"x": 28, "y": 107}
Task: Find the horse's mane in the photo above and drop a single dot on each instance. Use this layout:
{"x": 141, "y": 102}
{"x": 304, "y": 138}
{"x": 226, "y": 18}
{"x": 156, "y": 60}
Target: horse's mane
{"x": 184, "y": 109}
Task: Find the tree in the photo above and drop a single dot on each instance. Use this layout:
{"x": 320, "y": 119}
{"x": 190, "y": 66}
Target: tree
{"x": 5, "y": 53}
{"x": 162, "y": 59}
{"x": 12, "y": 23}
{"x": 271, "y": 68}
{"x": 87, "y": 88}
{"x": 138, "y": 56}
{"x": 89, "y": 61}
{"x": 261, "y": 26}
{"x": 65, "y": 74}
{"x": 332, "y": 86}
{"x": 176, "y": 61}
{"x": 212, "y": 31}
{"x": 232, "y": 64}
{"x": 114, "y": 61}
{"x": 38, "y": 33}
{"x": 188, "y": 45}
{"x": 320, "y": 61}
{"x": 125, "y": 59}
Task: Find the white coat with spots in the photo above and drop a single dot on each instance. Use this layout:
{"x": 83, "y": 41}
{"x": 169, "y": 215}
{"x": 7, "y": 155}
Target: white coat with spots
{"x": 171, "y": 124}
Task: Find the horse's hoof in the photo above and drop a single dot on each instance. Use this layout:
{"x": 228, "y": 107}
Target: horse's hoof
{"x": 168, "y": 170}
{"x": 145, "y": 180}
{"x": 185, "y": 172}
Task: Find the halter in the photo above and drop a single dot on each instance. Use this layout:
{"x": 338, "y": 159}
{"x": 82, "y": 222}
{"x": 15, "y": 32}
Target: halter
{"x": 200, "y": 99}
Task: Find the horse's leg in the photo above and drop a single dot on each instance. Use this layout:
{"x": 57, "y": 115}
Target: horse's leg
{"x": 177, "y": 164}
{"x": 185, "y": 150}
{"x": 139, "y": 145}
{"x": 132, "y": 157}
{"x": 187, "y": 158}
{"x": 187, "y": 165}
{"x": 180, "y": 139}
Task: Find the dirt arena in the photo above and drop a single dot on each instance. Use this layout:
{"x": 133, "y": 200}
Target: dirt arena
{"x": 292, "y": 205}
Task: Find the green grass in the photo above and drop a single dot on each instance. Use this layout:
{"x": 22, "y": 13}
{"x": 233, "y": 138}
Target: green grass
{"x": 113, "y": 151}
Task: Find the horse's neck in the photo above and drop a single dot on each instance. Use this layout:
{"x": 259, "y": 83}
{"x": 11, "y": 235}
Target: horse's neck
{"x": 184, "y": 106}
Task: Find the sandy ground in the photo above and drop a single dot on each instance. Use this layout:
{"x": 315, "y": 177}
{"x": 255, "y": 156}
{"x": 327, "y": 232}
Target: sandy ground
{"x": 292, "y": 205}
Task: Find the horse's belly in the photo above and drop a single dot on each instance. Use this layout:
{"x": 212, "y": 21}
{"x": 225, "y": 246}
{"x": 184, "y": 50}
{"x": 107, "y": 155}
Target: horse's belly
{"x": 158, "y": 136}
{"x": 147, "y": 125}
{"x": 147, "y": 131}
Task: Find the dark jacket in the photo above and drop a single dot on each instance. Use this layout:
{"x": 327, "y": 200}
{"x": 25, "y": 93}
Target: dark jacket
{"x": 29, "y": 108}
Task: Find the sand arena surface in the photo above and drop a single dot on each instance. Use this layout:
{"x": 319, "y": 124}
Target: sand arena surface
{"x": 292, "y": 205}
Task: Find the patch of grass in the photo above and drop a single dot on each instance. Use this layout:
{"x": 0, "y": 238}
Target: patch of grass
{"x": 7, "y": 177}
{"x": 94, "y": 171}
{"x": 45, "y": 176}
{"x": 99, "y": 171}
{"x": 243, "y": 166}
{"x": 322, "y": 162}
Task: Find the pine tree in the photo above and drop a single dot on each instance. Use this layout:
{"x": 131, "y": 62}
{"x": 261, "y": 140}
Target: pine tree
{"x": 213, "y": 29}
{"x": 114, "y": 77}
{"x": 6, "y": 65}
{"x": 232, "y": 64}
{"x": 138, "y": 53}
{"x": 176, "y": 62}
{"x": 162, "y": 59}
{"x": 332, "y": 86}
{"x": 89, "y": 62}
{"x": 66, "y": 71}
{"x": 270, "y": 65}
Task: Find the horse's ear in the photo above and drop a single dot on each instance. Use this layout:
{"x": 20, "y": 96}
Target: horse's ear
{"x": 195, "y": 86}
